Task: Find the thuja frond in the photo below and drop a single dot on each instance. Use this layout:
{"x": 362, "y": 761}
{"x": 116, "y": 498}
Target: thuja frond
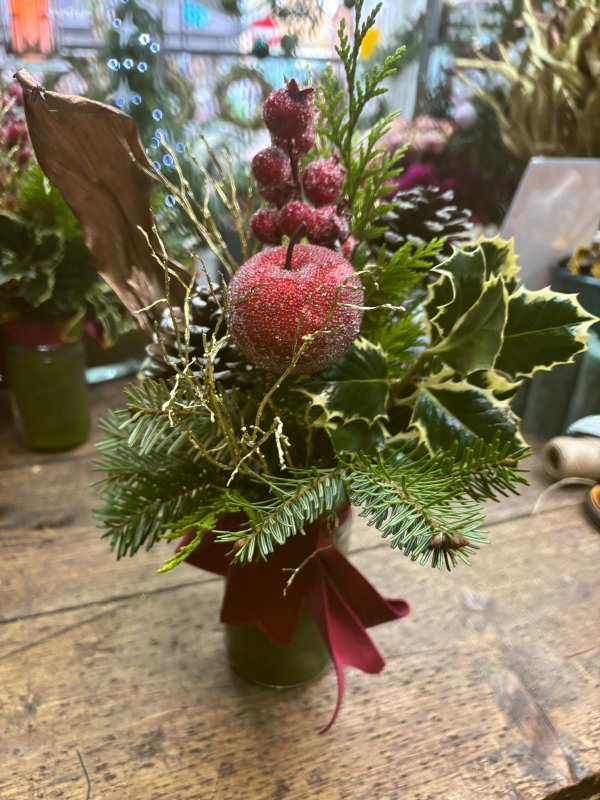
{"x": 298, "y": 500}
{"x": 391, "y": 277}
{"x": 428, "y": 507}
{"x": 368, "y": 166}
{"x": 202, "y": 521}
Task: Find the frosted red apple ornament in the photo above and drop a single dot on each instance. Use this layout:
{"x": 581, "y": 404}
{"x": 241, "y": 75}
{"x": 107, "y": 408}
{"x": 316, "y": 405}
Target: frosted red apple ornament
{"x": 283, "y": 295}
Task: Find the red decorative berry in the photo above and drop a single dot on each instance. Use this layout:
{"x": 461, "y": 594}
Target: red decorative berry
{"x": 286, "y": 293}
{"x": 301, "y": 143}
{"x": 328, "y": 226}
{"x": 279, "y": 195}
{"x": 293, "y": 215}
{"x": 271, "y": 167}
{"x": 25, "y": 154}
{"x": 15, "y": 90}
{"x": 265, "y": 225}
{"x": 15, "y": 133}
{"x": 324, "y": 180}
{"x": 349, "y": 247}
{"x": 289, "y": 111}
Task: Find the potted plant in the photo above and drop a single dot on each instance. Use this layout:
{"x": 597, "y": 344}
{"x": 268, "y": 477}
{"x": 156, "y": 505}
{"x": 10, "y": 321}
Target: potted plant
{"x": 49, "y": 289}
{"x": 321, "y": 375}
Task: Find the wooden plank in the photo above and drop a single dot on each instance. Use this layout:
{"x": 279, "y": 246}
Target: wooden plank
{"x": 492, "y": 690}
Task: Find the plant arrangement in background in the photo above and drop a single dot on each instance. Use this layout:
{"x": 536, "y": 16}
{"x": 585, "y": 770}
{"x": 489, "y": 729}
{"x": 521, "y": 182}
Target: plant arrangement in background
{"x": 46, "y": 272}
{"x": 553, "y": 106}
{"x": 320, "y": 374}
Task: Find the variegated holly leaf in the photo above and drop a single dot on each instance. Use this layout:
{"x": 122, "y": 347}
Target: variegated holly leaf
{"x": 500, "y": 258}
{"x": 446, "y": 411}
{"x": 543, "y": 328}
{"x": 356, "y": 436}
{"x": 459, "y": 287}
{"x": 499, "y": 385}
{"x": 476, "y": 338}
{"x": 354, "y": 388}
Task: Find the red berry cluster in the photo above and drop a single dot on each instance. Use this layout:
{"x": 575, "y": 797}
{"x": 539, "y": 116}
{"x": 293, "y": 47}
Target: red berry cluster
{"x": 13, "y": 128}
{"x": 312, "y": 197}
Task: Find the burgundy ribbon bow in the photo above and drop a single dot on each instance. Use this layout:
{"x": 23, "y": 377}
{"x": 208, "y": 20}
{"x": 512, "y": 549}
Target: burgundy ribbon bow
{"x": 341, "y": 600}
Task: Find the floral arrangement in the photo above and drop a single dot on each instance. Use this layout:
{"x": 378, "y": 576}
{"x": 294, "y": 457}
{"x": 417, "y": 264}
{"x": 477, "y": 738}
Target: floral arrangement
{"x": 47, "y": 275}
{"x": 335, "y": 365}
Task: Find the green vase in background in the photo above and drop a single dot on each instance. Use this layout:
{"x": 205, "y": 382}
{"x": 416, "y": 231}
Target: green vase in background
{"x": 47, "y": 388}
{"x": 256, "y": 659}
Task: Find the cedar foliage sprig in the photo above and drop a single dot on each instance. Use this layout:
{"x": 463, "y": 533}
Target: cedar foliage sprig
{"x": 368, "y": 166}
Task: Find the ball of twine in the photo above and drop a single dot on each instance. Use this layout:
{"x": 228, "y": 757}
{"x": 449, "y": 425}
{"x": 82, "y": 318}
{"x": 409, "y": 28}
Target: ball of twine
{"x": 573, "y": 457}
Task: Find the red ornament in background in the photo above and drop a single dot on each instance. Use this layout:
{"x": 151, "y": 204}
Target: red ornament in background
{"x": 31, "y": 30}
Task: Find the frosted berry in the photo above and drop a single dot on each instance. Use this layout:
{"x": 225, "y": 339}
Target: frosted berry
{"x": 324, "y": 181}
{"x": 272, "y": 166}
{"x": 328, "y": 226}
{"x": 265, "y": 225}
{"x": 279, "y": 195}
{"x": 349, "y": 247}
{"x": 288, "y": 111}
{"x": 301, "y": 143}
{"x": 293, "y": 215}
{"x": 283, "y": 294}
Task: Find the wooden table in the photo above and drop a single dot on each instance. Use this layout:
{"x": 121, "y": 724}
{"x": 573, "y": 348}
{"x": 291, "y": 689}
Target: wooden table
{"x": 492, "y": 685}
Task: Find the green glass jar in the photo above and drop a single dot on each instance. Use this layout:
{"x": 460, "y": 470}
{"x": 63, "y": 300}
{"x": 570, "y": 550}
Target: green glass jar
{"x": 256, "y": 659}
{"x": 48, "y": 394}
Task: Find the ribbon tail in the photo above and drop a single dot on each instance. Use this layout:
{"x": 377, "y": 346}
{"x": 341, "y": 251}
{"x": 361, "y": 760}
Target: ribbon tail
{"x": 362, "y": 597}
{"x": 343, "y": 632}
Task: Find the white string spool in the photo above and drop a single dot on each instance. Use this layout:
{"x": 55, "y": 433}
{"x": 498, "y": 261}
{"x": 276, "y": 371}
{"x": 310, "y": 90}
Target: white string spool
{"x": 573, "y": 457}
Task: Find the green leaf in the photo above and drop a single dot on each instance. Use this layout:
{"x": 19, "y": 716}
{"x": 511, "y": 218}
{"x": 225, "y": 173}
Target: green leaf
{"x": 498, "y": 384}
{"x": 458, "y": 289}
{"x": 354, "y": 388}
{"x": 500, "y": 258}
{"x": 475, "y": 340}
{"x": 357, "y": 435}
{"x": 544, "y": 328}
{"x": 40, "y": 288}
{"x": 446, "y": 412}
{"x": 14, "y": 234}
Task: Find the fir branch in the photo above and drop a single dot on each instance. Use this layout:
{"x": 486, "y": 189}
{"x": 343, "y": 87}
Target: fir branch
{"x": 298, "y": 500}
{"x": 428, "y": 507}
{"x": 137, "y": 505}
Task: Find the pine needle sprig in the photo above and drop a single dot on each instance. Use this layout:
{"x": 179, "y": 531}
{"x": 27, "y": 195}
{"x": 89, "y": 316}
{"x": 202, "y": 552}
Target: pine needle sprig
{"x": 298, "y": 500}
{"x": 429, "y": 507}
{"x": 136, "y": 507}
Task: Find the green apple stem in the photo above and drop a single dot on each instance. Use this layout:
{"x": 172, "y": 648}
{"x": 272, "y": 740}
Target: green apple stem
{"x": 298, "y": 234}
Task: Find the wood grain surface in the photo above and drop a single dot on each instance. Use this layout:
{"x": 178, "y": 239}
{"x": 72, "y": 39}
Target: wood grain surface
{"x": 491, "y": 690}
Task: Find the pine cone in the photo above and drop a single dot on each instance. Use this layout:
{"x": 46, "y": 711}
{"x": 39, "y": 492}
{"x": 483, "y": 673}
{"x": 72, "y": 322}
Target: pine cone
{"x": 420, "y": 215}
{"x": 230, "y": 367}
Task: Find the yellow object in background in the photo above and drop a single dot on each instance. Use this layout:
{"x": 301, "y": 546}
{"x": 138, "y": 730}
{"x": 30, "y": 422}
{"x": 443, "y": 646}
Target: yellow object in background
{"x": 586, "y": 261}
{"x": 370, "y": 42}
